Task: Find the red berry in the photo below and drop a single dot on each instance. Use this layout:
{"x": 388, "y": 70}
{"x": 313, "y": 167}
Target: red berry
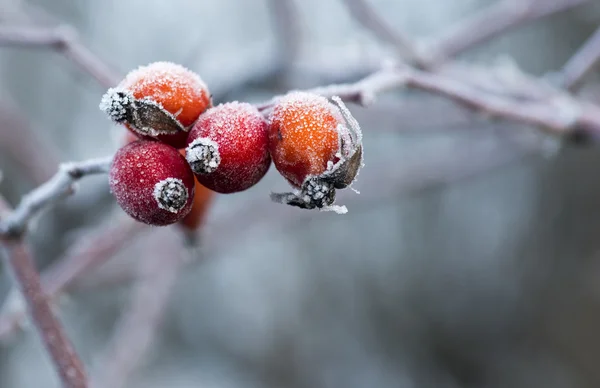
{"x": 316, "y": 146}
{"x": 152, "y": 182}
{"x": 228, "y": 147}
{"x": 161, "y": 100}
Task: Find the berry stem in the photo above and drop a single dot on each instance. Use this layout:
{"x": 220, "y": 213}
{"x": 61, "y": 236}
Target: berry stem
{"x": 66, "y": 361}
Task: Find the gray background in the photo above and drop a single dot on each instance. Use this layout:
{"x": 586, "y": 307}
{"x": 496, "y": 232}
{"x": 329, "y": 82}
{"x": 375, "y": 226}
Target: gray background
{"x": 468, "y": 260}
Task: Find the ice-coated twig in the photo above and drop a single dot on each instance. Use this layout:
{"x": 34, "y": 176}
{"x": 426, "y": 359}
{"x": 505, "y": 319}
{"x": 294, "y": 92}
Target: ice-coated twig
{"x": 63, "y": 39}
{"x": 364, "y": 14}
{"x": 96, "y": 247}
{"x": 491, "y": 22}
{"x": 141, "y": 319}
{"x": 561, "y": 115}
{"x": 59, "y": 186}
{"x": 64, "y": 357}
{"x": 584, "y": 61}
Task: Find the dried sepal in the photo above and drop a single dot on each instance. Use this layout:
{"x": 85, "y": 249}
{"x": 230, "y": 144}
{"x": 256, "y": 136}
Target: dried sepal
{"x": 144, "y": 116}
{"x": 319, "y": 191}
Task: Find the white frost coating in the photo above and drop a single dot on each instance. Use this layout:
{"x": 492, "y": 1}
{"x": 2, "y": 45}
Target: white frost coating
{"x": 203, "y": 155}
{"x": 115, "y": 102}
{"x": 171, "y": 194}
{"x": 350, "y": 120}
{"x": 335, "y": 208}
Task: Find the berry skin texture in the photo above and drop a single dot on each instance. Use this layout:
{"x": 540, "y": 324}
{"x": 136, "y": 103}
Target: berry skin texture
{"x": 228, "y": 147}
{"x": 316, "y": 146}
{"x": 152, "y": 182}
{"x": 161, "y": 100}
{"x": 303, "y": 136}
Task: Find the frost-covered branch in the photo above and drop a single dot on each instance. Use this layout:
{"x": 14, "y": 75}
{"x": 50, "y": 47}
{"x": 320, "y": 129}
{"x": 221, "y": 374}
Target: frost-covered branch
{"x": 63, "y": 39}
{"x": 66, "y": 361}
{"x": 560, "y": 114}
{"x": 58, "y": 187}
{"x": 490, "y": 22}
{"x": 584, "y": 61}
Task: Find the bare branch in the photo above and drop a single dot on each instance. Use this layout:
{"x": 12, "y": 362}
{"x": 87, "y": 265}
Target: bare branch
{"x": 364, "y": 13}
{"x": 97, "y": 246}
{"x": 561, "y": 115}
{"x": 583, "y": 62}
{"x": 57, "y": 344}
{"x": 490, "y": 22}
{"x": 64, "y": 40}
{"x": 59, "y": 186}
{"x": 136, "y": 330}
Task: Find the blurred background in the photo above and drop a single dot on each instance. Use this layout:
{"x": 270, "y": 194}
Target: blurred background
{"x": 469, "y": 258}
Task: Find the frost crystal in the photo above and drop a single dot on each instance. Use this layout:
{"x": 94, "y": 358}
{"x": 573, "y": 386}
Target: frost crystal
{"x": 171, "y": 194}
{"x": 203, "y": 155}
{"x": 118, "y": 104}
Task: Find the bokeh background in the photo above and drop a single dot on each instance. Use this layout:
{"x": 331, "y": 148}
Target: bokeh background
{"x": 469, "y": 258}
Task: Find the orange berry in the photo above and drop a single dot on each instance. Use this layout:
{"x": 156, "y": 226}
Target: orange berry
{"x": 161, "y": 100}
{"x": 316, "y": 146}
{"x": 303, "y": 135}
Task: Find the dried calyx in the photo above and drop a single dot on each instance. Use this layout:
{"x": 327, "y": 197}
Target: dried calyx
{"x": 319, "y": 192}
{"x": 203, "y": 155}
{"x": 171, "y": 194}
{"x": 144, "y": 116}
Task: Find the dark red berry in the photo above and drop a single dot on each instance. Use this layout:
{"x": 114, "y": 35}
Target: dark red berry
{"x": 152, "y": 182}
{"x": 228, "y": 147}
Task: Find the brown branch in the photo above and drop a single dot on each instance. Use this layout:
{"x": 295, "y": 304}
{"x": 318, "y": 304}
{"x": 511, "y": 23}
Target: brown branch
{"x": 66, "y": 361}
{"x": 63, "y": 39}
{"x": 583, "y": 62}
{"x": 137, "y": 327}
{"x": 94, "y": 249}
{"x": 364, "y": 14}
{"x": 492, "y": 21}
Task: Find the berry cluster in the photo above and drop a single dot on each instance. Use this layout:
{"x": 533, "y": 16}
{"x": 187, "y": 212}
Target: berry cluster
{"x": 181, "y": 146}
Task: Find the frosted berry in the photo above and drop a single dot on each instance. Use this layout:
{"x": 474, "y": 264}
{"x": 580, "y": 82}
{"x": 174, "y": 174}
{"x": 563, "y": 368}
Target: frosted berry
{"x": 161, "y": 100}
{"x": 152, "y": 182}
{"x": 316, "y": 146}
{"x": 228, "y": 147}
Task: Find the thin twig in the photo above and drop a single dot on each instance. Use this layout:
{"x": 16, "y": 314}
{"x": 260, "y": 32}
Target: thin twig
{"x": 97, "y": 247}
{"x": 583, "y": 62}
{"x": 58, "y": 187}
{"x": 64, "y": 39}
{"x": 364, "y": 14}
{"x": 66, "y": 361}
{"x": 562, "y": 115}
{"x": 136, "y": 329}
{"x": 491, "y": 22}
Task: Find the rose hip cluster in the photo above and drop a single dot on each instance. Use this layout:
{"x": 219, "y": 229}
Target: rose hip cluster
{"x": 182, "y": 141}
